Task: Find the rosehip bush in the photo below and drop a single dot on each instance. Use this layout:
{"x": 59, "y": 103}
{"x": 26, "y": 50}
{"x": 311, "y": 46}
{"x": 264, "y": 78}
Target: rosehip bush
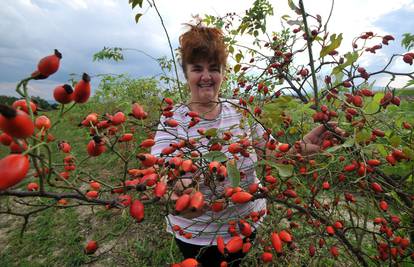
{"x": 351, "y": 202}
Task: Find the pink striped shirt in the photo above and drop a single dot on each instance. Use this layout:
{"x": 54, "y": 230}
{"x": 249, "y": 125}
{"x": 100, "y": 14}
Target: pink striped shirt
{"x": 205, "y": 228}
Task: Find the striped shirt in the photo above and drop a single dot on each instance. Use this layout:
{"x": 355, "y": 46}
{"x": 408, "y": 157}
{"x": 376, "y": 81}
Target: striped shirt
{"x": 205, "y": 228}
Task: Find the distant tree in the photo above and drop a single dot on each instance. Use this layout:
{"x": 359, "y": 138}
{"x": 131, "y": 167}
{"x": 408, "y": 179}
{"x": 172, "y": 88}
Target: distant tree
{"x": 40, "y": 102}
{"x": 7, "y": 100}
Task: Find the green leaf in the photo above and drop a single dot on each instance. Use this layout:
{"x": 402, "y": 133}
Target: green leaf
{"x": 137, "y": 17}
{"x": 114, "y": 53}
{"x": 212, "y": 132}
{"x": 372, "y": 107}
{"x": 362, "y": 136}
{"x": 410, "y": 179}
{"x": 215, "y": 156}
{"x": 382, "y": 150}
{"x": 349, "y": 143}
{"x": 378, "y": 97}
{"x": 231, "y": 49}
{"x": 408, "y": 152}
{"x": 237, "y": 68}
{"x": 233, "y": 173}
{"x": 294, "y": 7}
{"x": 401, "y": 169}
{"x": 243, "y": 27}
{"x": 409, "y": 83}
{"x": 239, "y": 56}
{"x": 339, "y": 77}
{"x": 407, "y": 41}
{"x": 293, "y": 130}
{"x": 333, "y": 149}
{"x": 292, "y": 22}
{"x": 283, "y": 169}
{"x": 335, "y": 43}
{"x": 285, "y": 17}
{"x": 134, "y": 3}
{"x": 350, "y": 59}
{"x": 278, "y": 106}
{"x": 393, "y": 108}
{"x": 396, "y": 197}
{"x": 395, "y": 140}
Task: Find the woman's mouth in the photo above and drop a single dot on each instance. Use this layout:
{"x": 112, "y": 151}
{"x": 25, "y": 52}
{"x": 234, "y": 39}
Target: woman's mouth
{"x": 206, "y": 85}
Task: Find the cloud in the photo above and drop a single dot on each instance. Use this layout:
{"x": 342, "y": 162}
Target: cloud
{"x": 78, "y": 29}
{"x": 31, "y": 29}
{"x": 44, "y": 89}
{"x": 353, "y": 17}
{"x": 397, "y": 22}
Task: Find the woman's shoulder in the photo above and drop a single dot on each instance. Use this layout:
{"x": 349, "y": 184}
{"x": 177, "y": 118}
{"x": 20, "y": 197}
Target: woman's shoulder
{"x": 181, "y": 109}
{"x": 230, "y": 106}
{"x": 229, "y": 101}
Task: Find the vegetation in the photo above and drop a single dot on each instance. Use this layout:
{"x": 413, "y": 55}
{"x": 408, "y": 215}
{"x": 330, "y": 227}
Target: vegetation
{"x": 41, "y": 103}
{"x": 90, "y": 176}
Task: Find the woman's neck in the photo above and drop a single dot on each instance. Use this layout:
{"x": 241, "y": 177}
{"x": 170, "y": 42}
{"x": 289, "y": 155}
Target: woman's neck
{"x": 209, "y": 110}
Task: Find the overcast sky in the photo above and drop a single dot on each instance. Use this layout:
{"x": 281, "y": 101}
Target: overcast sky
{"x": 31, "y": 29}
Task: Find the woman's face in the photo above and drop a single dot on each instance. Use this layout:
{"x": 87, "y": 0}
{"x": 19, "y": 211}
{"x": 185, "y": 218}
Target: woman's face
{"x": 204, "y": 80}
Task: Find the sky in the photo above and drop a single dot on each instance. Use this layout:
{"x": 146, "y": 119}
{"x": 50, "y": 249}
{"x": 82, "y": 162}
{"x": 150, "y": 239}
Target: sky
{"x": 31, "y": 29}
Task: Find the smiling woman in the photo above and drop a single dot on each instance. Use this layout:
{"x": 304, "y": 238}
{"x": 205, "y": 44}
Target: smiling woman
{"x": 203, "y": 219}
{"x": 203, "y": 59}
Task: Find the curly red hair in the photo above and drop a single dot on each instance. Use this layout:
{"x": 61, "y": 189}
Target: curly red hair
{"x": 202, "y": 43}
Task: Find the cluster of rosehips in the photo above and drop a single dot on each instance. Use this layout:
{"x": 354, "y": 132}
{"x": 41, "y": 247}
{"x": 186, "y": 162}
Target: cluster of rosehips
{"x": 389, "y": 98}
{"x": 63, "y": 94}
{"x": 396, "y": 156}
{"x": 314, "y": 32}
{"x": 16, "y": 126}
{"x": 324, "y": 115}
{"x": 108, "y": 126}
{"x": 237, "y": 244}
{"x": 396, "y": 246}
{"x": 371, "y": 35}
{"x": 363, "y": 72}
{"x": 408, "y": 58}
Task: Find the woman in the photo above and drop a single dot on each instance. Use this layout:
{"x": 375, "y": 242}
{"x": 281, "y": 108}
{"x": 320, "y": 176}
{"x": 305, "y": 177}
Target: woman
{"x": 203, "y": 60}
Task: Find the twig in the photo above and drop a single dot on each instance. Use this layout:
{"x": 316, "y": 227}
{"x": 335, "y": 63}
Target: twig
{"x": 309, "y": 42}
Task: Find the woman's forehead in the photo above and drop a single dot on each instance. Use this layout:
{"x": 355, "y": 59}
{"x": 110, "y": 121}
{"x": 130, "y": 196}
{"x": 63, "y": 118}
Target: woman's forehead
{"x": 204, "y": 63}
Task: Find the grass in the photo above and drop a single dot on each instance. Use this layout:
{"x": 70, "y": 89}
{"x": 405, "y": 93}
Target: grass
{"x": 53, "y": 238}
{"x": 56, "y": 237}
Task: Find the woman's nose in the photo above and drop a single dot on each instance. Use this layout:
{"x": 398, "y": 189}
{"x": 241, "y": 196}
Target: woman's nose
{"x": 205, "y": 75}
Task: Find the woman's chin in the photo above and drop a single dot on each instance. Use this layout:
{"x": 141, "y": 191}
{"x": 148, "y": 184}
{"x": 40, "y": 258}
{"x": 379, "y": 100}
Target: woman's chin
{"x": 208, "y": 97}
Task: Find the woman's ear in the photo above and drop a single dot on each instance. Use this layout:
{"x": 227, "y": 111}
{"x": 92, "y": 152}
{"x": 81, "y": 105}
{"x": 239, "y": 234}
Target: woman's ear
{"x": 224, "y": 70}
